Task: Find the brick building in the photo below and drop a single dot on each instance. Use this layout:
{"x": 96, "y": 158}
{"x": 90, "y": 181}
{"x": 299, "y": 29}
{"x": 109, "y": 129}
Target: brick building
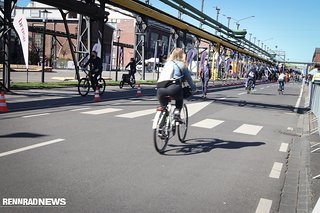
{"x": 316, "y": 57}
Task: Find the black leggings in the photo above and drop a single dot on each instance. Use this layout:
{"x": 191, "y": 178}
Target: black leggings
{"x": 174, "y": 91}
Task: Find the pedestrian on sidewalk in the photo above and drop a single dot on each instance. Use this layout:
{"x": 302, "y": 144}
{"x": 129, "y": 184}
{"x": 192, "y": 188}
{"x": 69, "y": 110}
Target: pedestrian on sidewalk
{"x": 205, "y": 75}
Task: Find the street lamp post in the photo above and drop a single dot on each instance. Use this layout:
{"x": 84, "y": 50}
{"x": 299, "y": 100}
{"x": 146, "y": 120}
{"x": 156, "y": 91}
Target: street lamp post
{"x": 237, "y": 23}
{"x": 202, "y": 4}
{"x": 44, "y": 19}
{"x": 218, "y": 11}
{"x": 117, "y": 64}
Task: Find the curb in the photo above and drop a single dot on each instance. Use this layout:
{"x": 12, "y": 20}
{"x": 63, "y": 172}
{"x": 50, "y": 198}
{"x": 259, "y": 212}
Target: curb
{"x": 296, "y": 192}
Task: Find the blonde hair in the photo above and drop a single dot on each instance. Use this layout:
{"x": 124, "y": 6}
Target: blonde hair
{"x": 177, "y": 54}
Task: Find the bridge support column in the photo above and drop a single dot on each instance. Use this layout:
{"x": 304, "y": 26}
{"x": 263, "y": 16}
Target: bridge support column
{"x": 139, "y": 49}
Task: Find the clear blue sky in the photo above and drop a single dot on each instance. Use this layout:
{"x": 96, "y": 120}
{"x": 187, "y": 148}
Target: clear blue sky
{"x": 22, "y": 3}
{"x": 291, "y": 25}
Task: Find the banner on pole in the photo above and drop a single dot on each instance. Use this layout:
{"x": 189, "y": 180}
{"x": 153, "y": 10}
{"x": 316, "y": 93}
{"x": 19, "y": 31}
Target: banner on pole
{"x": 21, "y": 26}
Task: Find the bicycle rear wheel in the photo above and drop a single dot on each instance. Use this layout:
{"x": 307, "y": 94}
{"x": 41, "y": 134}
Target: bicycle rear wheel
{"x": 102, "y": 85}
{"x": 83, "y": 86}
{"x": 161, "y": 133}
{"x": 183, "y": 127}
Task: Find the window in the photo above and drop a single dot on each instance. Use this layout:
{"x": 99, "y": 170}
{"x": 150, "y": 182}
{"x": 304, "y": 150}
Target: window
{"x": 35, "y": 13}
{"x": 153, "y": 39}
{"x": 72, "y": 15}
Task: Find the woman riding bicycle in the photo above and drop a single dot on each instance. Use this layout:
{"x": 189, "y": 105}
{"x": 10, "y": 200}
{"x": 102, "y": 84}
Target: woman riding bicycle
{"x": 95, "y": 64}
{"x": 174, "y": 72}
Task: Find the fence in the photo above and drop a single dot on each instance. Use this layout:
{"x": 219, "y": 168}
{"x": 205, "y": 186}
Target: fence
{"x": 314, "y": 89}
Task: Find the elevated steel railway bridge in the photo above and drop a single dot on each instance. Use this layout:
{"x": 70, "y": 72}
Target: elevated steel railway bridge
{"x": 95, "y": 9}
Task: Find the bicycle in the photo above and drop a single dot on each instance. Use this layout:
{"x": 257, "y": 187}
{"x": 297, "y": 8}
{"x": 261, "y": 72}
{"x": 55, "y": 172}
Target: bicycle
{"x": 126, "y": 78}
{"x": 84, "y": 84}
{"x": 164, "y": 126}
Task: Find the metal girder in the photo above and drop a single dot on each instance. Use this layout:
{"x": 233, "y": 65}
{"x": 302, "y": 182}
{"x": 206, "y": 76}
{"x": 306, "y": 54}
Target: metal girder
{"x": 6, "y": 35}
{"x": 70, "y": 44}
{"x": 83, "y": 47}
{"x": 158, "y": 15}
{"x": 90, "y": 10}
{"x": 39, "y": 29}
{"x": 140, "y": 37}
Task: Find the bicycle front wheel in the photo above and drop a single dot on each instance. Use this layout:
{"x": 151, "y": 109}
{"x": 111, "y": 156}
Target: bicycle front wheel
{"x": 161, "y": 134}
{"x": 183, "y": 127}
{"x": 102, "y": 85}
{"x": 83, "y": 86}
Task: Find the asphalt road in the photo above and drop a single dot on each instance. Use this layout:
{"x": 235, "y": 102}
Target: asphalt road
{"x": 100, "y": 156}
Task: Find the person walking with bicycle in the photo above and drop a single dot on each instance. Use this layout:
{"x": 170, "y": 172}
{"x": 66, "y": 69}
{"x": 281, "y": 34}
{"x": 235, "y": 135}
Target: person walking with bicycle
{"x": 95, "y": 64}
{"x": 205, "y": 76}
{"x": 281, "y": 79}
{"x": 170, "y": 81}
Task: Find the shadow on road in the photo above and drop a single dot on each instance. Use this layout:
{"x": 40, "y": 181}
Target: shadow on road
{"x": 257, "y": 105}
{"x": 23, "y": 135}
{"x": 203, "y": 145}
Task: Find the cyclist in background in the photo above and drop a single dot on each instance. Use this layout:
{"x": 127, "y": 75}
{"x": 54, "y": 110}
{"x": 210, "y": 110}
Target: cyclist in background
{"x": 132, "y": 65}
{"x": 174, "y": 72}
{"x": 251, "y": 76}
{"x": 95, "y": 64}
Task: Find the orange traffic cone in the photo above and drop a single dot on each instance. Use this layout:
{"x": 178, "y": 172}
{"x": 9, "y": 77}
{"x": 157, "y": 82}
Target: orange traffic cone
{"x": 96, "y": 95}
{"x": 139, "y": 93}
{"x": 3, "y": 104}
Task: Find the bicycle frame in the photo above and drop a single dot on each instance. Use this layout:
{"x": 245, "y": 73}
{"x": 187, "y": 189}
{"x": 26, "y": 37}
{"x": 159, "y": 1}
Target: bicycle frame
{"x": 169, "y": 125}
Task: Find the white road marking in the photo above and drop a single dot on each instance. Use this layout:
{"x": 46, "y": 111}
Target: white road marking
{"x": 290, "y": 113}
{"x": 101, "y": 111}
{"x": 242, "y": 93}
{"x": 248, "y": 129}
{"x": 262, "y": 88}
{"x": 36, "y": 115}
{"x": 264, "y": 206}
{"x": 135, "y": 101}
{"x": 196, "y": 107}
{"x": 283, "y": 147}
{"x": 268, "y": 86}
{"x": 299, "y": 100}
{"x": 80, "y": 109}
{"x": 316, "y": 208}
{"x": 276, "y": 170}
{"x": 137, "y": 113}
{"x": 315, "y": 145}
{"x": 31, "y": 147}
{"x": 208, "y": 123}
{"x": 315, "y": 150}
{"x": 290, "y": 129}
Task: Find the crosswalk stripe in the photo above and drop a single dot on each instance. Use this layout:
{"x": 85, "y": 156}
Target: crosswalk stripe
{"x": 248, "y": 129}
{"x": 80, "y": 109}
{"x": 264, "y": 206}
{"x": 101, "y": 111}
{"x": 137, "y": 113}
{"x": 284, "y": 147}
{"x": 196, "y": 107}
{"x": 208, "y": 123}
{"x": 276, "y": 170}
